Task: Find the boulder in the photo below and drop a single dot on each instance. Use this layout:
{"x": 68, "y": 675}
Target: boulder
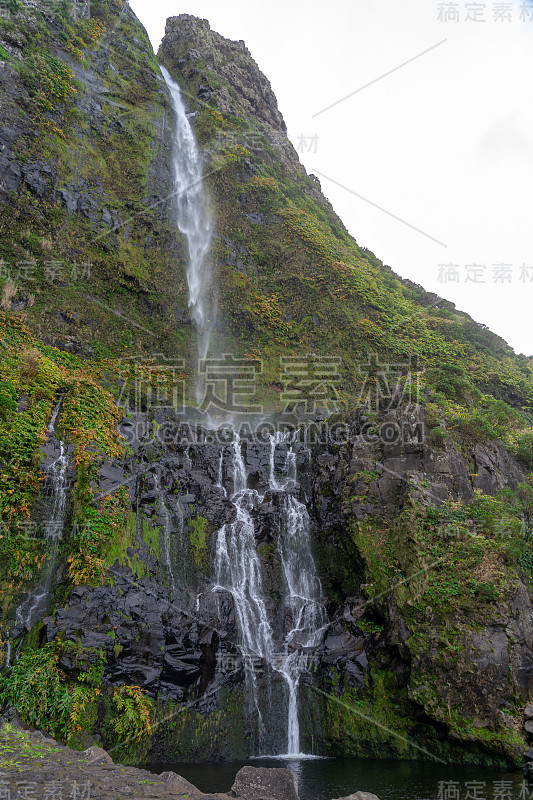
{"x": 360, "y": 796}
{"x": 259, "y": 783}
{"x": 528, "y": 711}
{"x": 177, "y": 782}
{"x": 97, "y": 755}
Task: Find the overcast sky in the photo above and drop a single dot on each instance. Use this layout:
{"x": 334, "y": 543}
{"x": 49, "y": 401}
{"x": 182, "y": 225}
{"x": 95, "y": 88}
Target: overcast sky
{"x": 443, "y": 143}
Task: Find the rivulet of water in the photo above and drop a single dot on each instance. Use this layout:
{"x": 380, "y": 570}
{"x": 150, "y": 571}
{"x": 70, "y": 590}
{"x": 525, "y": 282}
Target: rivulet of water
{"x": 36, "y": 604}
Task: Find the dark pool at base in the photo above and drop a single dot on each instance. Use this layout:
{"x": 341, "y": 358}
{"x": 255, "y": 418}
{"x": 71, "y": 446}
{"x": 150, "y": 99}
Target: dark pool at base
{"x": 324, "y": 779}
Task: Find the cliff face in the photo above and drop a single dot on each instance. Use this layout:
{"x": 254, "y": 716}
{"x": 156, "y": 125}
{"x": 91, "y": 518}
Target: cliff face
{"x": 423, "y": 542}
{"x": 219, "y": 70}
{"x": 85, "y": 178}
{"x": 429, "y": 635}
{"x": 421, "y": 512}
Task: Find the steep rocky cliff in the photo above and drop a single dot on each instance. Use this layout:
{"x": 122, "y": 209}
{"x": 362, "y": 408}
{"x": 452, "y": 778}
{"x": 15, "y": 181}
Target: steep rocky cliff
{"x": 420, "y": 511}
{"x": 88, "y": 253}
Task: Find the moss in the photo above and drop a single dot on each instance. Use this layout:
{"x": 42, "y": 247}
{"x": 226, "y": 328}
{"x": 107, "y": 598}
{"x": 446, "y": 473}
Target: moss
{"x": 151, "y": 536}
{"x": 17, "y": 751}
{"x": 185, "y": 734}
{"x": 382, "y": 722}
{"x": 198, "y": 534}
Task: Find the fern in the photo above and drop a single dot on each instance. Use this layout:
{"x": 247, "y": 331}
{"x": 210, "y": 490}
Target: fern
{"x": 132, "y": 720}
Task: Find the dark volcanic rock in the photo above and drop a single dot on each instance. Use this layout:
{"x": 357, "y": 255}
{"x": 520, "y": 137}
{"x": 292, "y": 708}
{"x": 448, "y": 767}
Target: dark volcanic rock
{"x": 258, "y": 783}
{"x": 189, "y": 40}
{"x": 360, "y": 796}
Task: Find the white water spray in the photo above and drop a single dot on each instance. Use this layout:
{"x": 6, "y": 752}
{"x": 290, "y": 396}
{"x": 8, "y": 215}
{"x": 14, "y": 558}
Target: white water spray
{"x": 193, "y": 219}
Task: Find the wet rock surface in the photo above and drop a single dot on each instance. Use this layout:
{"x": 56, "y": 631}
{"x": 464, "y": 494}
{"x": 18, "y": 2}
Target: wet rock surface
{"x": 253, "y": 783}
{"x": 177, "y": 637}
{"x": 32, "y": 763}
{"x": 173, "y": 632}
{"x": 360, "y": 796}
{"x": 365, "y": 476}
{"x": 41, "y": 765}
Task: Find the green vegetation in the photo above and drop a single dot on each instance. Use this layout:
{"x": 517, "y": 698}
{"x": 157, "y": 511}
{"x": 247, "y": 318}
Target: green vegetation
{"x": 39, "y": 374}
{"x": 132, "y": 721}
{"x": 17, "y": 751}
{"x": 44, "y": 698}
{"x": 446, "y": 571}
{"x": 199, "y": 531}
{"x": 457, "y": 558}
{"x": 97, "y": 532}
{"x": 49, "y": 80}
{"x": 35, "y": 687}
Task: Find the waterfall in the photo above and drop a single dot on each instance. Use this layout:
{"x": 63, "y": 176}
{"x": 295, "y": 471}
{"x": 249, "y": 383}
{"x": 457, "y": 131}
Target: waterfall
{"x": 220, "y": 479}
{"x": 305, "y": 614}
{"x": 237, "y": 562}
{"x": 238, "y": 571}
{"x": 36, "y": 604}
{"x": 193, "y": 220}
{"x": 168, "y": 528}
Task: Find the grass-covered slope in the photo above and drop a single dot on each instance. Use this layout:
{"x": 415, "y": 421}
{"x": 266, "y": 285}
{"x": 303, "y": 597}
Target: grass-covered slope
{"x": 292, "y": 280}
{"x": 91, "y": 259}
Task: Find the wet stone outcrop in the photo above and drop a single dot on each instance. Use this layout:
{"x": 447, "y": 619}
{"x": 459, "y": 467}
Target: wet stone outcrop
{"x": 362, "y": 477}
{"x": 254, "y": 783}
{"x": 167, "y": 627}
{"x": 164, "y": 623}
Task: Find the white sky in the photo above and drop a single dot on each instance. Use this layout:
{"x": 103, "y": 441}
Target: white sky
{"x": 445, "y": 142}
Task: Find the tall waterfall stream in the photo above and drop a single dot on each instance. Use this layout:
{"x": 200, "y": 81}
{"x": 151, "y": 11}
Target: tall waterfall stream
{"x": 237, "y": 564}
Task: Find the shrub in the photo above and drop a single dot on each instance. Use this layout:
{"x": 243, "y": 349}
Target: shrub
{"x": 34, "y": 687}
{"x": 8, "y": 399}
{"x": 524, "y": 449}
{"x": 132, "y": 721}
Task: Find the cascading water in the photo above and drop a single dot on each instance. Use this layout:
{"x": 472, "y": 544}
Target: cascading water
{"x": 303, "y": 610}
{"x": 35, "y": 606}
{"x": 238, "y": 571}
{"x": 194, "y": 220}
{"x": 167, "y": 530}
{"x": 237, "y": 561}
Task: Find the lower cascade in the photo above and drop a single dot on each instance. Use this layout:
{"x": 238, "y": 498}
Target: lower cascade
{"x": 283, "y": 648}
{"x": 35, "y": 605}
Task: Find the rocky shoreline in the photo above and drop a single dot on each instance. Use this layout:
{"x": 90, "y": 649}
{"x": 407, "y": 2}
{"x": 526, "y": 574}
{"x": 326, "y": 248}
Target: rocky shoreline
{"x": 32, "y": 764}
